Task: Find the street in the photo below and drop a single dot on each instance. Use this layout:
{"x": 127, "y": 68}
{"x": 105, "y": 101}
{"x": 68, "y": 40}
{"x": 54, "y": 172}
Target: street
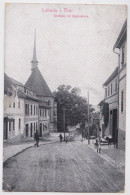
{"x": 63, "y": 167}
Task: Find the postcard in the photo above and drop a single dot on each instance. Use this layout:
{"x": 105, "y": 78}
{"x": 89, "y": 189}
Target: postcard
{"x": 64, "y": 121}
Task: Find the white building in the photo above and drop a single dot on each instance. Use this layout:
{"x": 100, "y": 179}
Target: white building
{"x": 111, "y": 97}
{"x": 121, "y": 48}
{"x": 20, "y": 110}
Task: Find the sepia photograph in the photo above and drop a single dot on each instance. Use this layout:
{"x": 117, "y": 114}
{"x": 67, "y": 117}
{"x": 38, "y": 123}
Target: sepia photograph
{"x": 64, "y": 118}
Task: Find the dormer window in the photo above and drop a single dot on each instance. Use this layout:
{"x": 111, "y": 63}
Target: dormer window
{"x": 25, "y": 90}
{"x": 34, "y": 94}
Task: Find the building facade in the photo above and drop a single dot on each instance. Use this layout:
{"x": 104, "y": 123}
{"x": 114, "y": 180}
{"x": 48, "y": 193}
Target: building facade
{"x": 13, "y": 111}
{"x": 115, "y": 94}
{"x": 120, "y": 47}
{"x": 111, "y": 97}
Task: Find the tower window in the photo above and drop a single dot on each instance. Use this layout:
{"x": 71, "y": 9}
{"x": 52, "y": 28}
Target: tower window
{"x": 13, "y": 104}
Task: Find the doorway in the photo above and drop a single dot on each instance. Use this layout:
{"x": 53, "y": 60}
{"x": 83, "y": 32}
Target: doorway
{"x": 26, "y": 130}
{"x": 114, "y": 125}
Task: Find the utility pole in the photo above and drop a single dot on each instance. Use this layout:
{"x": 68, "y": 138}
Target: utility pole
{"x": 88, "y": 119}
{"x": 64, "y": 122}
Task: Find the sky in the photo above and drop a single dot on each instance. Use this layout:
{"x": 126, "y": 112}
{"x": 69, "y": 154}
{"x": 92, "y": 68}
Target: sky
{"x": 71, "y": 49}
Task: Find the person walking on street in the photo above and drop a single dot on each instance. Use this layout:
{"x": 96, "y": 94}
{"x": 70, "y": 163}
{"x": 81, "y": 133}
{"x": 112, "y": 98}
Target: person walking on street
{"x": 37, "y": 138}
{"x": 98, "y": 144}
{"x": 61, "y": 137}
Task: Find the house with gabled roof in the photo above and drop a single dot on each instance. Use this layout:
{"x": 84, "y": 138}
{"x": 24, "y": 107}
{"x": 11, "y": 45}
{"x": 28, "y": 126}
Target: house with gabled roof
{"x": 17, "y": 115}
{"x": 120, "y": 48}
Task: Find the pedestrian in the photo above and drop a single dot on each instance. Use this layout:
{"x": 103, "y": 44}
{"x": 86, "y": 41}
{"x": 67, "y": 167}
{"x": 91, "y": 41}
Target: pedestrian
{"x": 37, "y": 138}
{"x": 61, "y": 137}
{"x": 98, "y": 144}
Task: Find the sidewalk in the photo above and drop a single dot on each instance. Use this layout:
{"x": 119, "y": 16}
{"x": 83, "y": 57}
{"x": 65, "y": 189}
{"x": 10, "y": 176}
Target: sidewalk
{"x": 114, "y": 156}
{"x": 10, "y": 150}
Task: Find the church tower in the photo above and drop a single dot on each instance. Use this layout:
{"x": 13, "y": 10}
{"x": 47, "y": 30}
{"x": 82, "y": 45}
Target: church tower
{"x": 34, "y": 61}
{"x": 37, "y": 83}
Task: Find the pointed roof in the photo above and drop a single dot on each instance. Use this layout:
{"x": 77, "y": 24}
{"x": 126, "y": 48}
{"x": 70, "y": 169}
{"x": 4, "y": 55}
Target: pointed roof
{"x": 34, "y": 50}
{"x": 37, "y": 83}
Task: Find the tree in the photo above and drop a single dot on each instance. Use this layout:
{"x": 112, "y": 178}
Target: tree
{"x": 76, "y": 106}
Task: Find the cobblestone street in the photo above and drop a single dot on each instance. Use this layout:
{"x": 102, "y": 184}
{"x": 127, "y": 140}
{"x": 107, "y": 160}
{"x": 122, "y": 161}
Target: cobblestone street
{"x": 64, "y": 167}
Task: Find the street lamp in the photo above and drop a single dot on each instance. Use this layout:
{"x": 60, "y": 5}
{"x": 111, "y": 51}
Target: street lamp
{"x": 64, "y": 121}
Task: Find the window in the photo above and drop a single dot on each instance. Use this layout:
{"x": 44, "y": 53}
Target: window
{"x": 123, "y": 54}
{"x": 116, "y": 85}
{"x": 9, "y": 126}
{"x": 19, "y": 123}
{"x": 25, "y": 90}
{"x": 122, "y": 100}
{"x": 34, "y": 109}
{"x": 31, "y": 109}
{"x": 40, "y": 112}
{"x": 34, "y": 126}
{"x": 31, "y": 130}
{"x": 106, "y": 92}
{"x": 111, "y": 88}
{"x": 14, "y": 125}
{"x": 45, "y": 112}
{"x": 26, "y": 109}
{"x": 13, "y": 104}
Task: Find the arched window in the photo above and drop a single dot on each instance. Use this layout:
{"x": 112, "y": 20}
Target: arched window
{"x": 13, "y": 104}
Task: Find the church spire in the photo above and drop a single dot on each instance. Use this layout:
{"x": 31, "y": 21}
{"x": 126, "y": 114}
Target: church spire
{"x": 34, "y": 60}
